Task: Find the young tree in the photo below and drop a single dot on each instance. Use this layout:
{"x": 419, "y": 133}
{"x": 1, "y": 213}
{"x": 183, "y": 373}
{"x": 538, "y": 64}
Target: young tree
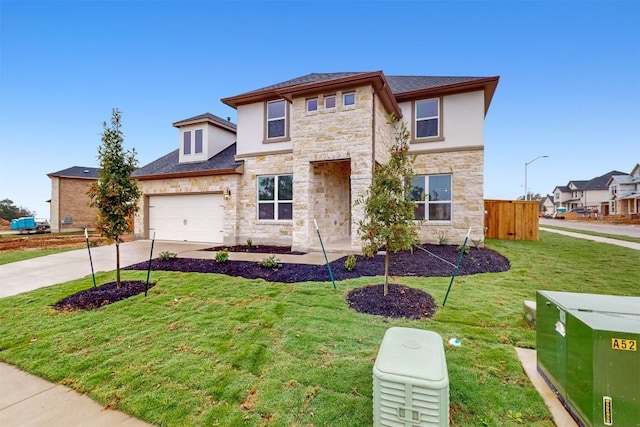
{"x": 115, "y": 194}
{"x": 388, "y": 209}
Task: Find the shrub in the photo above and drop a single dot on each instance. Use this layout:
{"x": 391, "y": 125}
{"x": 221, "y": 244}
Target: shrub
{"x": 249, "y": 243}
{"x": 350, "y": 262}
{"x": 271, "y": 262}
{"x": 466, "y": 249}
{"x": 222, "y": 256}
{"x": 477, "y": 243}
{"x": 443, "y": 238}
{"x": 166, "y": 256}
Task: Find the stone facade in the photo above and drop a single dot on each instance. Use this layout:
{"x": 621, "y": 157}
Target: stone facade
{"x": 466, "y": 169}
{"x": 70, "y": 209}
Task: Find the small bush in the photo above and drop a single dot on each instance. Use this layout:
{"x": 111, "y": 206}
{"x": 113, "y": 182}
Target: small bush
{"x": 166, "y": 256}
{"x": 222, "y": 256}
{"x": 270, "y": 262}
{"x": 466, "y": 249}
{"x": 443, "y": 238}
{"x": 350, "y": 262}
{"x": 477, "y": 243}
{"x": 249, "y": 243}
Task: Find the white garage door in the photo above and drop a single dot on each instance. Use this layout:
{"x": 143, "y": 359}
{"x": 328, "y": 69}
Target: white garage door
{"x": 189, "y": 218}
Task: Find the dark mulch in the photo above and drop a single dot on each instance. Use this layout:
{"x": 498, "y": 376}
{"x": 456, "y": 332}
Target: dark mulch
{"x": 101, "y": 295}
{"x": 257, "y": 249}
{"x": 400, "y": 302}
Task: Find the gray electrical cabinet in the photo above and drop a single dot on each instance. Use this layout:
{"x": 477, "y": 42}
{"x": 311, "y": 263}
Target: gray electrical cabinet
{"x": 410, "y": 380}
{"x": 587, "y": 350}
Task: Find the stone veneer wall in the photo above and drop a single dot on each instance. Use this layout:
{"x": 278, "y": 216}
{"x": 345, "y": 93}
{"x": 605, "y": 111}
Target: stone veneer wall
{"x": 331, "y": 199}
{"x": 248, "y": 225}
{"x": 189, "y": 185}
{"x": 71, "y": 201}
{"x": 467, "y": 169}
{"x": 343, "y": 133}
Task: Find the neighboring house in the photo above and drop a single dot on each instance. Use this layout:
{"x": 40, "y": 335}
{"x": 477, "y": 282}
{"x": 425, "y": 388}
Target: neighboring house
{"x": 69, "y": 210}
{"x": 548, "y": 206}
{"x": 624, "y": 193}
{"x": 589, "y": 194}
{"x": 304, "y": 151}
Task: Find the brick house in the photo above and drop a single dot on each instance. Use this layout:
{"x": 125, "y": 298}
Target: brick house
{"x": 305, "y": 149}
{"x": 69, "y": 209}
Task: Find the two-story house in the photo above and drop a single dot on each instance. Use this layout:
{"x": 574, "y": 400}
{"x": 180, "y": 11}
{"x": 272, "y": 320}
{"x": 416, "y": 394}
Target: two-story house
{"x": 583, "y": 193}
{"x": 304, "y": 150}
{"x": 624, "y": 193}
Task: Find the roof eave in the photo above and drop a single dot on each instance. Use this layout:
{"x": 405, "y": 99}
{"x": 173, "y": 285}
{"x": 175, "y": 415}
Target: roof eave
{"x": 239, "y": 169}
{"x": 487, "y": 84}
{"x": 203, "y": 120}
{"x": 375, "y": 78}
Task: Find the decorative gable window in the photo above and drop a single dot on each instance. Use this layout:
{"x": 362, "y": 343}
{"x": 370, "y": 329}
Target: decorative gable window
{"x": 275, "y": 197}
{"x": 312, "y": 104}
{"x": 186, "y": 142}
{"x": 349, "y": 99}
{"x": 198, "y": 142}
{"x": 427, "y": 118}
{"x": 432, "y": 196}
{"x": 276, "y": 119}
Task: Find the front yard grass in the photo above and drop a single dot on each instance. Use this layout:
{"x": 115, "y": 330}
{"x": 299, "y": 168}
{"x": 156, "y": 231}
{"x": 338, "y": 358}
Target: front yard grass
{"x": 15, "y": 256}
{"x": 208, "y": 349}
{"x": 595, "y": 233}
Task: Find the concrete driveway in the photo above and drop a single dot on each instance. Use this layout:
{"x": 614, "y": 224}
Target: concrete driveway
{"x": 23, "y": 276}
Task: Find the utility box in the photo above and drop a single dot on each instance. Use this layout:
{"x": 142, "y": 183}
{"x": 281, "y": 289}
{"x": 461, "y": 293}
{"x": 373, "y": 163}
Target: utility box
{"x": 410, "y": 380}
{"x": 587, "y": 350}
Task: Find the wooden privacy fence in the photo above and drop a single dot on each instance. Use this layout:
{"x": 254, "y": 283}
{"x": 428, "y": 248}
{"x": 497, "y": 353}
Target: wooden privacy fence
{"x": 511, "y": 219}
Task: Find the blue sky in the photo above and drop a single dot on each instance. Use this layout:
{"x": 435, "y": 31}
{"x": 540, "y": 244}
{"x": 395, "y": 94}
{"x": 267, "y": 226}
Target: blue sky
{"x": 569, "y": 75}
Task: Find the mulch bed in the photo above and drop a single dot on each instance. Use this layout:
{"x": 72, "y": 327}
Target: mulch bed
{"x": 434, "y": 260}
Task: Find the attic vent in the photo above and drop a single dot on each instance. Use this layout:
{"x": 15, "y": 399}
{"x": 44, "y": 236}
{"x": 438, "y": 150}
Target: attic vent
{"x": 228, "y": 118}
{"x": 86, "y": 171}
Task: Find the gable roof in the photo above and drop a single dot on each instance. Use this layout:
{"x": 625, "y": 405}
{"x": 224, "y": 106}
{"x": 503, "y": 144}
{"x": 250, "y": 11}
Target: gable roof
{"x": 392, "y": 89}
{"x": 168, "y": 166}
{"x": 81, "y": 172}
{"x": 600, "y": 182}
{"x": 208, "y": 118}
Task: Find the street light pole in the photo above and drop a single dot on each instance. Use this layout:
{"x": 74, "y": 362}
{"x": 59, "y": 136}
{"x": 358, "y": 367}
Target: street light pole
{"x": 526, "y": 193}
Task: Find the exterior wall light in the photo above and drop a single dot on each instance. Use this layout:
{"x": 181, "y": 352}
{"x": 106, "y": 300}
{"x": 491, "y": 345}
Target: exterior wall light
{"x": 227, "y": 193}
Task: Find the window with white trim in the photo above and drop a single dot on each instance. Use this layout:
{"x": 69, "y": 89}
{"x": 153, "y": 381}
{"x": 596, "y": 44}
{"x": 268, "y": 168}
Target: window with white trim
{"x": 276, "y": 119}
{"x": 198, "y": 142}
{"x": 427, "y": 118}
{"x": 312, "y": 104}
{"x": 186, "y": 142}
{"x": 329, "y": 102}
{"x": 275, "y": 197}
{"x": 349, "y": 99}
{"x": 432, "y": 196}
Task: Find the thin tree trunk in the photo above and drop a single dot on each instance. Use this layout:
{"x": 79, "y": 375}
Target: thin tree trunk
{"x": 386, "y": 273}
{"x": 118, "y": 263}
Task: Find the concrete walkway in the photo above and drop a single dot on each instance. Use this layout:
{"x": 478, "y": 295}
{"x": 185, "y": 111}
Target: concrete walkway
{"x": 29, "y": 401}
{"x": 631, "y": 245}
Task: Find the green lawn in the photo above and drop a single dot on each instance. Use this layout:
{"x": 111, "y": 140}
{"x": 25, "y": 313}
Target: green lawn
{"x": 207, "y": 349}
{"x": 14, "y": 256}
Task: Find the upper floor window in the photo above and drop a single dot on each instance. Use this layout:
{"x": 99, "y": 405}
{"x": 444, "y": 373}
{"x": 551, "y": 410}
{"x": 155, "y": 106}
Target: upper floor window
{"x": 186, "y": 142}
{"x": 198, "y": 142}
{"x": 275, "y": 197}
{"x": 329, "y": 102}
{"x": 427, "y": 118}
{"x": 432, "y": 196}
{"x": 276, "y": 119}
{"x": 348, "y": 99}
{"x": 312, "y": 104}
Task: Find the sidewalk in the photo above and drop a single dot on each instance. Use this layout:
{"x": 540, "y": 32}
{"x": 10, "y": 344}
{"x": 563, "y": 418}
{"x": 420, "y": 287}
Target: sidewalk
{"x": 29, "y": 401}
{"x": 630, "y": 245}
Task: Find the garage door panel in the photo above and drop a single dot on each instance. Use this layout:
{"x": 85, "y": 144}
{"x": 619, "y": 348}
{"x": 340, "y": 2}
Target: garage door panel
{"x": 193, "y": 218}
